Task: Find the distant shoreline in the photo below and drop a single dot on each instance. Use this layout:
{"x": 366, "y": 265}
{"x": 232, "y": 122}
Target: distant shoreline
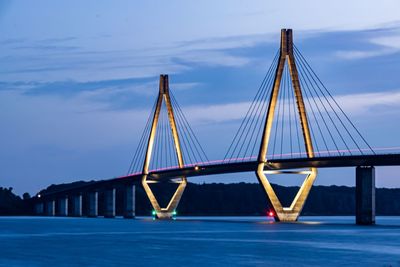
{"x": 235, "y": 199}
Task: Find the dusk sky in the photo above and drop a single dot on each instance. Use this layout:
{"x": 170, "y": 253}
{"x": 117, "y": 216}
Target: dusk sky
{"x": 78, "y": 78}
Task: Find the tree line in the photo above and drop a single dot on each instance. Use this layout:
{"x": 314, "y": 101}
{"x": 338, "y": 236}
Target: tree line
{"x": 218, "y": 199}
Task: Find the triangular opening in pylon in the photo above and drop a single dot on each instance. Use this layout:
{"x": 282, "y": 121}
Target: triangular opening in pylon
{"x": 164, "y": 191}
{"x": 286, "y": 185}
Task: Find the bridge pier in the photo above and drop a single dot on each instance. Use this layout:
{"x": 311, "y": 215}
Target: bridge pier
{"x": 77, "y": 205}
{"x": 129, "y": 202}
{"x": 109, "y": 203}
{"x": 39, "y": 209}
{"x": 365, "y": 195}
{"x": 63, "y": 206}
{"x": 51, "y": 208}
{"x": 93, "y": 204}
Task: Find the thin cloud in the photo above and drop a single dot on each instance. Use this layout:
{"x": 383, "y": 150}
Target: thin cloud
{"x": 184, "y": 86}
{"x": 359, "y": 54}
{"x": 387, "y": 42}
{"x": 369, "y": 103}
{"x": 216, "y": 113}
{"x": 56, "y": 59}
{"x": 352, "y": 104}
{"x": 214, "y": 58}
{"x": 112, "y": 94}
{"x": 392, "y": 41}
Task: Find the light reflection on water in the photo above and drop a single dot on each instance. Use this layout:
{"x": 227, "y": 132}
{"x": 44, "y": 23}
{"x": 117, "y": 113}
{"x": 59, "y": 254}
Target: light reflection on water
{"x": 194, "y": 241}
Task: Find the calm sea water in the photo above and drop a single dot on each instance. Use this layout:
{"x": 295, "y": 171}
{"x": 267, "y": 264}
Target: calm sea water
{"x": 198, "y": 241}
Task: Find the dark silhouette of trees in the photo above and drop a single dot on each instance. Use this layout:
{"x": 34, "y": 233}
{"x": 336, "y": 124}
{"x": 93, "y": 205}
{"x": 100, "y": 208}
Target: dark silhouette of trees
{"x": 223, "y": 199}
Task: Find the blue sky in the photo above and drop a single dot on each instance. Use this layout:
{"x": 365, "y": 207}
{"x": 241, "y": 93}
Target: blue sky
{"x": 78, "y": 78}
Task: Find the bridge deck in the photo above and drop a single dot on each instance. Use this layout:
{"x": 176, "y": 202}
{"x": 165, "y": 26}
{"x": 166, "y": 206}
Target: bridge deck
{"x": 234, "y": 167}
{"x": 281, "y": 164}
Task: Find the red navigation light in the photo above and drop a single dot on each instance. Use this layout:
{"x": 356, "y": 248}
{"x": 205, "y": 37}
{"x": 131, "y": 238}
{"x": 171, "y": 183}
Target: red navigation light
{"x": 271, "y": 214}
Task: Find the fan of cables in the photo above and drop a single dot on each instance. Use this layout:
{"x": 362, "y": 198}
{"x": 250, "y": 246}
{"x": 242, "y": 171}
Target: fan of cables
{"x": 164, "y": 153}
{"x": 331, "y": 130}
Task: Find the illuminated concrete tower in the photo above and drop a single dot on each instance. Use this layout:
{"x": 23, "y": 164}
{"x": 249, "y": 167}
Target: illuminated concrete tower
{"x": 163, "y": 95}
{"x": 286, "y": 213}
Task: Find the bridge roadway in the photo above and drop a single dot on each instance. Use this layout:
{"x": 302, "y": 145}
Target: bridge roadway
{"x": 249, "y": 166}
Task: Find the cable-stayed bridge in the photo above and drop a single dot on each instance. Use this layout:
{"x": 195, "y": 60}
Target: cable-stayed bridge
{"x": 293, "y": 126}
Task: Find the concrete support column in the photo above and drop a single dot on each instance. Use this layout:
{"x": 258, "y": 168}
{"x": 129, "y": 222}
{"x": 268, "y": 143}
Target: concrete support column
{"x": 93, "y": 204}
{"x": 129, "y": 202}
{"x": 365, "y": 195}
{"x": 39, "y": 209}
{"x": 109, "y": 205}
{"x": 77, "y": 206}
{"x": 63, "y": 206}
{"x": 51, "y": 208}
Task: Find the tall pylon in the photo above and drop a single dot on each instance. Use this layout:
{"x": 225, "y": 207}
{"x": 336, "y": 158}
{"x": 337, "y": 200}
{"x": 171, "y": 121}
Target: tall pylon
{"x": 163, "y": 96}
{"x": 286, "y": 213}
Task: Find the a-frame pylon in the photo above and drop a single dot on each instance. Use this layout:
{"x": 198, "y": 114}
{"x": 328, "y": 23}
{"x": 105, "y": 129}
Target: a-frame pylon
{"x": 163, "y": 95}
{"x": 286, "y": 213}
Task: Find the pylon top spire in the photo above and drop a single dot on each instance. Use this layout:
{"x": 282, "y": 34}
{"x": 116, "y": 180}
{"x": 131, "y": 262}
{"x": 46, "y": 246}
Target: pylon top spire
{"x": 286, "y": 42}
{"x": 164, "y": 84}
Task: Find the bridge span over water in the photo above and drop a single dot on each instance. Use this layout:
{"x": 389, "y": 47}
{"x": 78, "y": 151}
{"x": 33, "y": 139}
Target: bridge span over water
{"x": 294, "y": 126}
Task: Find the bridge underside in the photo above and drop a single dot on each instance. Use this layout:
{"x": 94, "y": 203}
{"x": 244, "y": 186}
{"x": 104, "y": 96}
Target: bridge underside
{"x": 282, "y": 164}
{"x": 364, "y": 186}
{"x": 236, "y": 167}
